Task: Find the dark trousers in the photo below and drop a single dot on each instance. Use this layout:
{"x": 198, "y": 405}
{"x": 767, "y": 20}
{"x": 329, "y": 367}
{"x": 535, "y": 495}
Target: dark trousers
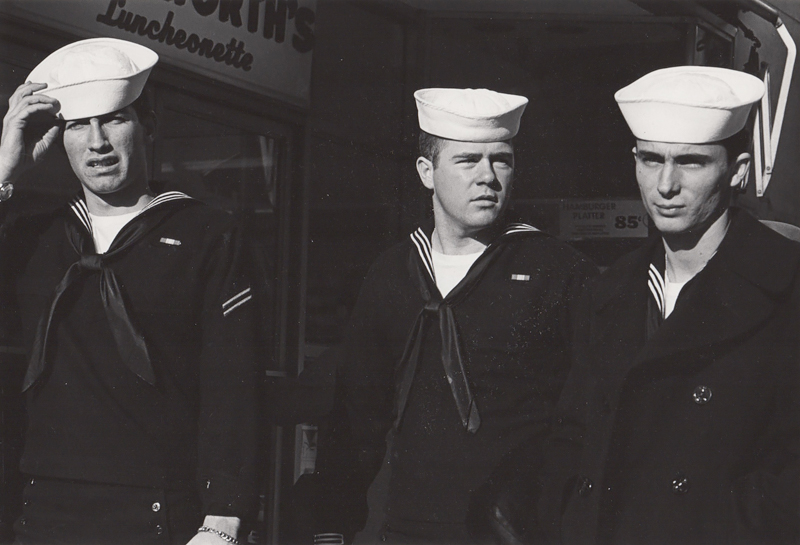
{"x": 72, "y": 512}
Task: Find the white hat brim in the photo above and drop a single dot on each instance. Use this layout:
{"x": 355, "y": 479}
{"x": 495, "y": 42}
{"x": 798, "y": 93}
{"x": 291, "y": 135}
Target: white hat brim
{"x": 678, "y": 123}
{"x": 689, "y": 104}
{"x": 99, "y": 96}
{"x": 465, "y": 124}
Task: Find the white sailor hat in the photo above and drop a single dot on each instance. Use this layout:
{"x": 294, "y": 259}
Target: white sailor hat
{"x": 94, "y": 77}
{"x": 469, "y": 115}
{"x": 689, "y": 104}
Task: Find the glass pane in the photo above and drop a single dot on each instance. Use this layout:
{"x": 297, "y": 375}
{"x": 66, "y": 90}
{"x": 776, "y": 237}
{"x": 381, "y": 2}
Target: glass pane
{"x": 231, "y": 169}
{"x": 223, "y": 166}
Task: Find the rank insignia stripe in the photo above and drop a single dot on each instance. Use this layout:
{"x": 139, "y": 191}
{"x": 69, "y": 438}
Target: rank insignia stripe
{"x": 521, "y": 277}
{"x": 170, "y": 241}
{"x": 236, "y": 301}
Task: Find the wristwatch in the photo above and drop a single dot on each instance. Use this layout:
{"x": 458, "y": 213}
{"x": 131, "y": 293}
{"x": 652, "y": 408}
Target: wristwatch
{"x": 6, "y": 190}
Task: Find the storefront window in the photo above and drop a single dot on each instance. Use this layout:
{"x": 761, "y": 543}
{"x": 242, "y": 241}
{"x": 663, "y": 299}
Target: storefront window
{"x": 236, "y": 170}
{"x": 239, "y": 163}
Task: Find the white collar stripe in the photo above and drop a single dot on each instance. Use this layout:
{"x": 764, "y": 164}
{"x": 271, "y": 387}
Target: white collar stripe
{"x": 164, "y": 197}
{"x": 656, "y": 284}
{"x": 519, "y": 228}
{"x": 655, "y": 274}
{"x": 80, "y": 209}
{"x": 424, "y": 249}
{"x": 654, "y": 291}
{"x": 82, "y": 212}
{"x": 423, "y": 245}
{"x": 419, "y": 234}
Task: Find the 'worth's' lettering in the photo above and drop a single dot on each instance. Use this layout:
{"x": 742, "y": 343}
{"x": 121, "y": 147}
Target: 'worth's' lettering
{"x": 271, "y": 16}
{"x": 233, "y": 54}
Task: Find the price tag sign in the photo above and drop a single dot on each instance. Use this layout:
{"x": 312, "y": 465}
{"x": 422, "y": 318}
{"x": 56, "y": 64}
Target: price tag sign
{"x": 582, "y": 219}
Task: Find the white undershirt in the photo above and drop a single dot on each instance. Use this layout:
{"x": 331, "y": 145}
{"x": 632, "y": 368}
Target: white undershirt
{"x": 450, "y": 269}
{"x": 106, "y": 228}
{"x": 671, "y": 292}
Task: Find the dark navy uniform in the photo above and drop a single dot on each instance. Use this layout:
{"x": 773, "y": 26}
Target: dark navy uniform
{"x": 686, "y": 431}
{"x": 507, "y": 325}
{"x": 175, "y": 432}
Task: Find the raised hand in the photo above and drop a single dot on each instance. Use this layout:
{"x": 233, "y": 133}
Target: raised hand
{"x": 29, "y": 130}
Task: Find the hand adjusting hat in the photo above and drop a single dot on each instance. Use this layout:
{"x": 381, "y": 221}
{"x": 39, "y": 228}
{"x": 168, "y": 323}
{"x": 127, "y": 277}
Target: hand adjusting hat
{"x": 95, "y": 77}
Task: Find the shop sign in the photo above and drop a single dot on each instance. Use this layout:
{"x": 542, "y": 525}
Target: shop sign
{"x": 582, "y": 219}
{"x": 260, "y": 45}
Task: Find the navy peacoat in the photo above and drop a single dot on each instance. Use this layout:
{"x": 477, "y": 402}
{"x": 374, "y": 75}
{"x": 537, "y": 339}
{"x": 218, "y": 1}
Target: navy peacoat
{"x": 693, "y": 435}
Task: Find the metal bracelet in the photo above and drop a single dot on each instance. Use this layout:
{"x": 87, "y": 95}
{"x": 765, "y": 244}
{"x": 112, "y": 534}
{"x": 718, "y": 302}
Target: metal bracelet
{"x": 227, "y": 537}
{"x": 6, "y": 190}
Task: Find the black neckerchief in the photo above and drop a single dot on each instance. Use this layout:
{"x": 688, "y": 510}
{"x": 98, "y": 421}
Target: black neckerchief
{"x": 130, "y": 343}
{"x": 420, "y": 265}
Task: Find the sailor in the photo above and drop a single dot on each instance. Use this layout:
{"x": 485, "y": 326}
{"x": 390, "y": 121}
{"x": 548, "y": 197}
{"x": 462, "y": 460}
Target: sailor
{"x": 137, "y": 315}
{"x": 680, "y": 421}
{"x": 460, "y": 338}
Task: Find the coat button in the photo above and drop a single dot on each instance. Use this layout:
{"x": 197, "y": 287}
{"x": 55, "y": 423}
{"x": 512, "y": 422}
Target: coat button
{"x": 701, "y": 395}
{"x": 159, "y": 529}
{"x": 156, "y": 507}
{"x": 585, "y": 486}
{"x": 680, "y": 484}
